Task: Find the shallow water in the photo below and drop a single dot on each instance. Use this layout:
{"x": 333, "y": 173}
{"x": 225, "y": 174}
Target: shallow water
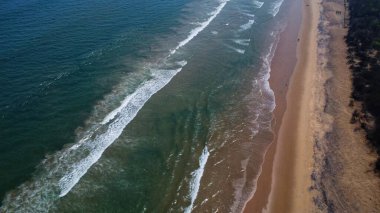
{"x": 134, "y": 106}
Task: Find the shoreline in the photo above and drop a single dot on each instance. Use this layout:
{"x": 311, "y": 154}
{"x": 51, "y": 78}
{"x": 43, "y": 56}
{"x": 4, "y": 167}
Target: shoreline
{"x": 283, "y": 182}
{"x": 293, "y": 162}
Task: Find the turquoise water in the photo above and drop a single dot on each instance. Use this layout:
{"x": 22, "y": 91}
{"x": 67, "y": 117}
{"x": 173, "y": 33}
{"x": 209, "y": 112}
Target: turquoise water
{"x": 133, "y": 106}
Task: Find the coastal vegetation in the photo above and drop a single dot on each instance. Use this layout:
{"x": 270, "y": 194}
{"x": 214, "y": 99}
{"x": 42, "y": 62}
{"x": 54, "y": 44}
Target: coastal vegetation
{"x": 363, "y": 41}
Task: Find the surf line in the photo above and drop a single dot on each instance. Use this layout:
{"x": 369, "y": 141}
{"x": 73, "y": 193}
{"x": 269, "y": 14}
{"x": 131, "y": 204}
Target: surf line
{"x": 132, "y": 106}
{"x": 275, "y": 7}
{"x": 200, "y": 28}
{"x": 197, "y": 177}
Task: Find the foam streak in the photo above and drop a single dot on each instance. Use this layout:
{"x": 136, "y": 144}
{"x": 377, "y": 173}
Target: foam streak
{"x": 257, "y": 4}
{"x": 196, "y": 180}
{"x": 247, "y": 25}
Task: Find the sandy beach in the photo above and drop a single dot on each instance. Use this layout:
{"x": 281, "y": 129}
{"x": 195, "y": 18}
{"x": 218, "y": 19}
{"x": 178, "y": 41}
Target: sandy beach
{"x": 288, "y": 162}
{"x": 317, "y": 162}
{"x": 293, "y": 159}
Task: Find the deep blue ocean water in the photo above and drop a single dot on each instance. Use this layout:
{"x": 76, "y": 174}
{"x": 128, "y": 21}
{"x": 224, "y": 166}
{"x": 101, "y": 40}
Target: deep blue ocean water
{"x": 133, "y": 106}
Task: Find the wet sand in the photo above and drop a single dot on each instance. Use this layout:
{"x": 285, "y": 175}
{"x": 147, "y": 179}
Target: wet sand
{"x": 294, "y": 156}
{"x": 285, "y": 178}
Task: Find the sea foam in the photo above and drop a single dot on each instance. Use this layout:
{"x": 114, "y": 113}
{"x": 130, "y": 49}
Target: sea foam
{"x": 196, "y": 179}
{"x": 275, "y": 7}
{"x": 258, "y": 4}
{"x": 243, "y": 42}
{"x": 247, "y": 25}
{"x": 241, "y": 51}
{"x": 268, "y": 99}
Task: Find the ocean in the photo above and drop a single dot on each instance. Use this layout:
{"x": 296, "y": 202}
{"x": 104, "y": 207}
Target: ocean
{"x": 135, "y": 106}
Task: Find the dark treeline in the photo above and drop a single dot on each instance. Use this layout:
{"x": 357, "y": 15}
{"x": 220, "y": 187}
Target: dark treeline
{"x": 363, "y": 40}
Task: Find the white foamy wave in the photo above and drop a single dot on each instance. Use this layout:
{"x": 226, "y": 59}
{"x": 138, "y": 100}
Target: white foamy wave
{"x": 249, "y": 15}
{"x": 275, "y": 7}
{"x": 257, "y": 4}
{"x": 194, "y": 32}
{"x": 243, "y": 42}
{"x": 266, "y": 91}
{"x": 239, "y": 50}
{"x": 125, "y": 102}
{"x": 114, "y": 112}
{"x": 126, "y": 113}
{"x": 67, "y": 167}
{"x": 247, "y": 25}
{"x": 196, "y": 180}
{"x": 268, "y": 100}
